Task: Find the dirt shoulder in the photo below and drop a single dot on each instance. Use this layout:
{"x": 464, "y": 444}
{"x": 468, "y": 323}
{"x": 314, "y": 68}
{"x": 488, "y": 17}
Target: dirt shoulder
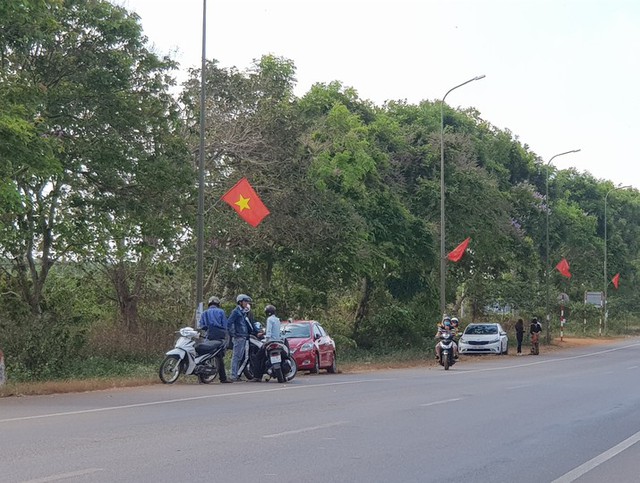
{"x": 58, "y": 387}
{"x": 555, "y": 346}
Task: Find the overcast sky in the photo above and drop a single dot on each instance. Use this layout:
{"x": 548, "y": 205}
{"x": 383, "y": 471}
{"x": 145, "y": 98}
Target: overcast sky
{"x": 560, "y": 74}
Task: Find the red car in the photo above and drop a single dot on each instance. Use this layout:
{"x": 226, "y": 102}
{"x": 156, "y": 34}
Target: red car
{"x": 311, "y": 346}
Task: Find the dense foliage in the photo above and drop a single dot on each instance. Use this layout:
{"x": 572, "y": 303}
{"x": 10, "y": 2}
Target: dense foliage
{"x": 98, "y": 193}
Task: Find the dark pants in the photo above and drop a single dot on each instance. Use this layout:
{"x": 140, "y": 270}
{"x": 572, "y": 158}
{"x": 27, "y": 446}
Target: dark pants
{"x": 519, "y": 337}
{"x": 258, "y": 363}
{"x": 222, "y": 373}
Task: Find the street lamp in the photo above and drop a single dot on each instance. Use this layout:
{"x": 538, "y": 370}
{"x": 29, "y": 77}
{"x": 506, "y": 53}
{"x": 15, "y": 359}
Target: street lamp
{"x": 548, "y": 267}
{"x": 443, "y": 260}
{"x": 604, "y": 271}
{"x": 200, "y": 214}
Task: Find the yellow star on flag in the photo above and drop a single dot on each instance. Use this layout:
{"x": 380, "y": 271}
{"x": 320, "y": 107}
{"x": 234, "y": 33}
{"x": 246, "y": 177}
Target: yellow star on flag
{"x": 243, "y": 203}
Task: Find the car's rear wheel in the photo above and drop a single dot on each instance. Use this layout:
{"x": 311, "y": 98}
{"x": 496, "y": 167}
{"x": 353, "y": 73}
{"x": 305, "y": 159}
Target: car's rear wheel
{"x": 333, "y": 368}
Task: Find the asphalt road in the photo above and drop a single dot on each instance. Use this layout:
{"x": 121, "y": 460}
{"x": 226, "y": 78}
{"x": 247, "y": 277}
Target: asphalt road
{"x": 564, "y": 416}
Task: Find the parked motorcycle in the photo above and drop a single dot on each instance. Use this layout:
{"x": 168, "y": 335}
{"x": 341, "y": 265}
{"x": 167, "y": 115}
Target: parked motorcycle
{"x": 446, "y": 348}
{"x": 278, "y": 362}
{"x": 192, "y": 355}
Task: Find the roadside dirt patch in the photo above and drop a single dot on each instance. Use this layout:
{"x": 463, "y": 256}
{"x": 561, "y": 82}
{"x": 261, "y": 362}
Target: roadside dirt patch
{"x": 555, "y": 346}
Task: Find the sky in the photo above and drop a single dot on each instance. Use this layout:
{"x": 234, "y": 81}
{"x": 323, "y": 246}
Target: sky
{"x": 560, "y": 74}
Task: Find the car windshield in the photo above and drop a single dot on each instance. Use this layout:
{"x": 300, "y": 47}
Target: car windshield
{"x": 482, "y": 329}
{"x": 296, "y": 331}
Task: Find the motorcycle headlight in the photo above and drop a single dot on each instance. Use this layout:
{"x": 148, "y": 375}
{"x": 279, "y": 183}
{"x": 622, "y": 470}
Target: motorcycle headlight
{"x": 306, "y": 347}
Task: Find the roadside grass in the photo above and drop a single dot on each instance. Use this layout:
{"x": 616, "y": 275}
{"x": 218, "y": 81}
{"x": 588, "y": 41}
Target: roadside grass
{"x": 99, "y": 374}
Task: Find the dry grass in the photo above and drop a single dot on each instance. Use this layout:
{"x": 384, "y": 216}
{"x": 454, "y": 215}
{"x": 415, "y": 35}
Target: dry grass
{"x": 57, "y": 387}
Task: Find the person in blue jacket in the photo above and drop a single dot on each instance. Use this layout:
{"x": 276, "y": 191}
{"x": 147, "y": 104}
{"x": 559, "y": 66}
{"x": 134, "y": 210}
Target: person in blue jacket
{"x": 214, "y": 321}
{"x": 239, "y": 328}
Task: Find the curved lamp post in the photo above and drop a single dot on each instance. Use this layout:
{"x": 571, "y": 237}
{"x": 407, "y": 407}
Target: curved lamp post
{"x": 548, "y": 268}
{"x": 604, "y": 271}
{"x": 443, "y": 260}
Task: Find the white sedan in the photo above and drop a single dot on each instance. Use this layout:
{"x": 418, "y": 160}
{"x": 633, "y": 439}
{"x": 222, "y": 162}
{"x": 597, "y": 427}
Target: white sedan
{"x": 487, "y": 338}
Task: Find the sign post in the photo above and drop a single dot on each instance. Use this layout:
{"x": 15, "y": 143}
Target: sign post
{"x": 597, "y": 299}
{"x": 563, "y": 298}
{"x": 2, "y": 375}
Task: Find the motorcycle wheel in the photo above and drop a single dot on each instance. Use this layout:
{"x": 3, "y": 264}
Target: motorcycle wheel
{"x": 170, "y": 369}
{"x": 294, "y": 370}
{"x": 248, "y": 373}
{"x": 279, "y": 375}
{"x": 445, "y": 362}
{"x": 211, "y": 364}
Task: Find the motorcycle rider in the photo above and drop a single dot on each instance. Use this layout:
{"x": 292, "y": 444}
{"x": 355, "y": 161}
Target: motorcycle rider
{"x": 239, "y": 329}
{"x": 214, "y": 321}
{"x": 445, "y": 325}
{"x": 273, "y": 324}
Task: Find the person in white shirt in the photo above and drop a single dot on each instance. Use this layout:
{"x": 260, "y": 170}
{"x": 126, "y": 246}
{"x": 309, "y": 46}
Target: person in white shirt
{"x": 273, "y": 324}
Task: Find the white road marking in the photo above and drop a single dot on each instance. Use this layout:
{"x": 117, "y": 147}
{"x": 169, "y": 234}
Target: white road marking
{"x": 520, "y": 386}
{"x": 65, "y": 476}
{"x": 576, "y": 473}
{"x": 633, "y": 367}
{"x": 304, "y": 430}
{"x": 195, "y": 398}
{"x": 445, "y": 401}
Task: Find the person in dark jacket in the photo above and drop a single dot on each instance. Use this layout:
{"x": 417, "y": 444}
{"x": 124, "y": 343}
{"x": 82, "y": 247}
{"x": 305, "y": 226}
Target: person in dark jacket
{"x": 519, "y": 335}
{"x": 239, "y": 328}
{"x": 534, "y": 329}
{"x": 214, "y": 321}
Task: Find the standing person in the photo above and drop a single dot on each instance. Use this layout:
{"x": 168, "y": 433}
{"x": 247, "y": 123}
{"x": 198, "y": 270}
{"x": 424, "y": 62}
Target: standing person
{"x": 273, "y": 324}
{"x": 214, "y": 320}
{"x": 239, "y": 324}
{"x": 534, "y": 329}
{"x": 272, "y": 333}
{"x": 519, "y": 334}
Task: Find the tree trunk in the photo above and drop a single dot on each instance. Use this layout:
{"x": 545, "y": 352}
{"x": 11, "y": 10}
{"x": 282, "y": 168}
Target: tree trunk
{"x": 126, "y": 297}
{"x": 363, "y": 306}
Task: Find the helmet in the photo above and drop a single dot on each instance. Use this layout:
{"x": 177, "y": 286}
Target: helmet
{"x": 257, "y": 326}
{"x": 214, "y": 301}
{"x": 454, "y": 321}
{"x": 243, "y": 298}
{"x": 446, "y": 318}
{"x": 270, "y": 310}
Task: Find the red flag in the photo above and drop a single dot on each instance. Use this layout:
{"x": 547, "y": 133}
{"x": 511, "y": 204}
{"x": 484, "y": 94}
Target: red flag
{"x": 563, "y": 268}
{"x": 616, "y": 280}
{"x": 456, "y": 254}
{"x": 246, "y": 202}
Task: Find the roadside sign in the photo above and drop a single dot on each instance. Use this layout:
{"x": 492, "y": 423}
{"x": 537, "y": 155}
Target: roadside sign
{"x": 594, "y": 298}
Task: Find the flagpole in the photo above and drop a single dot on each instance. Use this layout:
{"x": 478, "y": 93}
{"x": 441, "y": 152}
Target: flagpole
{"x": 604, "y": 272}
{"x": 200, "y": 216}
{"x": 548, "y": 266}
{"x": 443, "y": 260}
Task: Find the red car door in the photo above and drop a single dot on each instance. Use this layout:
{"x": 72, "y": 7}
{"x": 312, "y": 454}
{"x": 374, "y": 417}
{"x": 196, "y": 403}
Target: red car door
{"x": 324, "y": 345}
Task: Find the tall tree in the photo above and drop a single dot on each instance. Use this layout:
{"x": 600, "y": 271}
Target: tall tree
{"x": 107, "y": 171}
